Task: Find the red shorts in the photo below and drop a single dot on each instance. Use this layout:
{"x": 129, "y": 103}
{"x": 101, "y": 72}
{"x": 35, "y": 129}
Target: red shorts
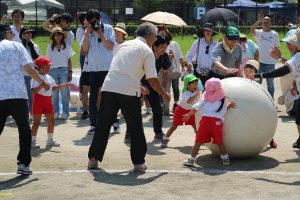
{"x": 210, "y": 127}
{"x": 178, "y": 115}
{"x": 42, "y": 105}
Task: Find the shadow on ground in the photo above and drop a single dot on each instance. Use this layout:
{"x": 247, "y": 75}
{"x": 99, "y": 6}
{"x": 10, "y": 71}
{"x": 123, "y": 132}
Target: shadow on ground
{"x": 16, "y": 182}
{"x": 126, "y": 178}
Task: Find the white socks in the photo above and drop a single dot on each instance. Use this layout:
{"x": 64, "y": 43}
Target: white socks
{"x": 33, "y": 138}
{"x": 50, "y": 136}
{"x": 226, "y": 156}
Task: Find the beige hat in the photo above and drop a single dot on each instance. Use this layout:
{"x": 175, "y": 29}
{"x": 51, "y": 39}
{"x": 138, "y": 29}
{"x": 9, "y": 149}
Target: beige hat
{"x": 122, "y": 28}
{"x": 58, "y": 30}
{"x": 294, "y": 39}
{"x": 242, "y": 35}
{"x": 253, "y": 63}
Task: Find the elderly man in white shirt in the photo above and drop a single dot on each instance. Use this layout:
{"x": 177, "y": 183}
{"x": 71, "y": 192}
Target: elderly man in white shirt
{"x": 122, "y": 90}
{"x": 13, "y": 96}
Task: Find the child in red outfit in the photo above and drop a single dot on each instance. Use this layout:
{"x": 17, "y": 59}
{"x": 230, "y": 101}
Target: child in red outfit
{"x": 42, "y": 101}
{"x": 213, "y": 109}
{"x": 190, "y": 95}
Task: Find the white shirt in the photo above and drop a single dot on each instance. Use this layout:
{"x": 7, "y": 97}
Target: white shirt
{"x": 203, "y": 60}
{"x": 185, "y": 97}
{"x": 99, "y": 57}
{"x": 174, "y": 46}
{"x": 209, "y": 109}
{"x": 80, "y": 32}
{"x": 13, "y": 56}
{"x": 294, "y": 64}
{"x": 16, "y": 38}
{"x": 70, "y": 38}
{"x": 133, "y": 60}
{"x": 59, "y": 58}
{"x": 85, "y": 65}
{"x": 116, "y": 46}
{"x": 48, "y": 79}
{"x": 265, "y": 41}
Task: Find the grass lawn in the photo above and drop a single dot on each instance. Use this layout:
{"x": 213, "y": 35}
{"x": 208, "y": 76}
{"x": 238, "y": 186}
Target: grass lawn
{"x": 185, "y": 43}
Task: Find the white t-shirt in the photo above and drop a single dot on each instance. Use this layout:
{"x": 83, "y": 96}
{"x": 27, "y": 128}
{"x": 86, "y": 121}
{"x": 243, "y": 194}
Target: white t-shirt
{"x": 48, "y": 79}
{"x": 133, "y": 60}
{"x": 185, "y": 97}
{"x": 59, "y": 58}
{"x": 209, "y": 109}
{"x": 16, "y": 38}
{"x": 265, "y": 41}
{"x": 70, "y": 38}
{"x": 85, "y": 65}
{"x": 294, "y": 64}
{"x": 174, "y": 46}
{"x": 80, "y": 32}
{"x": 13, "y": 56}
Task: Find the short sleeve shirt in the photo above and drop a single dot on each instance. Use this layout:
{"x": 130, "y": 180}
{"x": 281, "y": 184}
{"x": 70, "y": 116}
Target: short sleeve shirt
{"x": 184, "y": 98}
{"x": 248, "y": 51}
{"x": 294, "y": 63}
{"x": 48, "y": 79}
{"x": 13, "y": 56}
{"x": 226, "y": 58}
{"x": 16, "y": 37}
{"x": 209, "y": 109}
{"x": 265, "y": 41}
{"x": 59, "y": 58}
{"x": 132, "y": 60}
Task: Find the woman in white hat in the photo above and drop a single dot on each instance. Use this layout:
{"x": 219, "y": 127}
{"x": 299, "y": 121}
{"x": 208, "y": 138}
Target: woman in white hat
{"x": 120, "y": 34}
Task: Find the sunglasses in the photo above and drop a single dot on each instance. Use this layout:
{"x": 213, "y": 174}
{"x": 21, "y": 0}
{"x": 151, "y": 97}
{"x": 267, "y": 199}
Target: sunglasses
{"x": 207, "y": 50}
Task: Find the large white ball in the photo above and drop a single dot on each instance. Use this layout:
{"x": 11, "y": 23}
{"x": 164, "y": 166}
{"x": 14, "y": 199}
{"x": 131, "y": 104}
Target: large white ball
{"x": 249, "y": 128}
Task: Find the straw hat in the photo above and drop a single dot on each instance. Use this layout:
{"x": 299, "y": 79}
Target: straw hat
{"x": 58, "y": 30}
{"x": 122, "y": 28}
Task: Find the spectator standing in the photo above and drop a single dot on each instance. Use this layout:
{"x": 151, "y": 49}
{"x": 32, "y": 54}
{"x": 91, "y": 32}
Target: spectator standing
{"x": 98, "y": 44}
{"x": 60, "y": 55}
{"x": 17, "y": 16}
{"x": 266, "y": 39}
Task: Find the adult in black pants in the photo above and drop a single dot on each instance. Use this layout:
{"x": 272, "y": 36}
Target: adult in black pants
{"x": 162, "y": 63}
{"x": 122, "y": 90}
{"x": 13, "y": 95}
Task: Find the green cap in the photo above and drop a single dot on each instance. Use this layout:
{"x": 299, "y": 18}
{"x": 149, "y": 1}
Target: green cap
{"x": 187, "y": 79}
{"x": 232, "y": 33}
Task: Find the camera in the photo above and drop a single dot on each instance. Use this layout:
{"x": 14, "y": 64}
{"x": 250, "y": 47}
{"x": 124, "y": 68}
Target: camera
{"x": 56, "y": 20}
{"x": 97, "y": 25}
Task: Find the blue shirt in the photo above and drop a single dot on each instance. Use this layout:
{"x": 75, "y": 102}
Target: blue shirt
{"x": 99, "y": 57}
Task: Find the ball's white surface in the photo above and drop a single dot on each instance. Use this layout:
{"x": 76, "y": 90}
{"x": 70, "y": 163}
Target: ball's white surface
{"x": 249, "y": 128}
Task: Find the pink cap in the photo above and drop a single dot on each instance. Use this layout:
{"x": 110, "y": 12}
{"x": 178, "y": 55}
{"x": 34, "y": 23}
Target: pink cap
{"x": 213, "y": 90}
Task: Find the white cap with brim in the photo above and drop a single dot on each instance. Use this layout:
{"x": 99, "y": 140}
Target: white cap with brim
{"x": 253, "y": 63}
{"x": 294, "y": 39}
{"x": 290, "y": 32}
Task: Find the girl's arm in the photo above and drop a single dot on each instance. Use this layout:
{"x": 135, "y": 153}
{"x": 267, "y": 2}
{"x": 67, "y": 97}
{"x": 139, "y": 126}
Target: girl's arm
{"x": 231, "y": 104}
{"x": 59, "y": 87}
{"x": 187, "y": 116}
{"x": 37, "y": 89}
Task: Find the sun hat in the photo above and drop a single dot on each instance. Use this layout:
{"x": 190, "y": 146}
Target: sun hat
{"x": 122, "y": 28}
{"x": 253, "y": 63}
{"x": 187, "y": 79}
{"x": 213, "y": 90}
{"x": 290, "y": 32}
{"x": 26, "y": 30}
{"x": 42, "y": 61}
{"x": 232, "y": 33}
{"x": 58, "y": 30}
{"x": 294, "y": 38}
{"x": 207, "y": 27}
{"x": 242, "y": 35}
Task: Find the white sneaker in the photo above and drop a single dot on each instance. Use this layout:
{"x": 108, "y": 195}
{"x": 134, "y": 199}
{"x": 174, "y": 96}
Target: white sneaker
{"x": 30, "y": 116}
{"x": 52, "y": 143}
{"x": 35, "y": 145}
{"x": 23, "y": 170}
{"x": 56, "y": 115}
{"x": 64, "y": 116}
{"x": 92, "y": 130}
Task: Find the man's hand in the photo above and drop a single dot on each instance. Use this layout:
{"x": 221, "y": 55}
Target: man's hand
{"x": 231, "y": 70}
{"x": 166, "y": 97}
{"x": 144, "y": 90}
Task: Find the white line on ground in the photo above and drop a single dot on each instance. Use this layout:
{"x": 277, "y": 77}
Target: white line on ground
{"x": 206, "y": 171}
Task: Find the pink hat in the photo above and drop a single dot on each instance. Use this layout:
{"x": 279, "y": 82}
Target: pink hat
{"x": 213, "y": 90}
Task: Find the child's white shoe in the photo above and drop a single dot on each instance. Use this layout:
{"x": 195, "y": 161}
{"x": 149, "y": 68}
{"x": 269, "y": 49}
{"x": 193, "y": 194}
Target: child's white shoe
{"x": 225, "y": 159}
{"x": 35, "y": 145}
{"x": 52, "y": 143}
{"x": 189, "y": 162}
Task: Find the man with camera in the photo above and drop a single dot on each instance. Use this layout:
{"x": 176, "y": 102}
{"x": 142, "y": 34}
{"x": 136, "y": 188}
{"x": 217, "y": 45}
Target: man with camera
{"x": 98, "y": 44}
{"x": 64, "y": 21}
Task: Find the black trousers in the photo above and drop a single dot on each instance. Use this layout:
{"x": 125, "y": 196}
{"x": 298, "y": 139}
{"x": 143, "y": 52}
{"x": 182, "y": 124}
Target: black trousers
{"x": 131, "y": 109}
{"x": 96, "y": 81}
{"x": 18, "y": 109}
{"x": 156, "y": 104}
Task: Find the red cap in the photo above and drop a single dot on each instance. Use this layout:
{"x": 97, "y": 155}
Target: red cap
{"x": 42, "y": 61}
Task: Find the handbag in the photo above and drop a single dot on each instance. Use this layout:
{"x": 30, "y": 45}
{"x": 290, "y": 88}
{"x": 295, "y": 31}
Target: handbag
{"x": 174, "y": 73}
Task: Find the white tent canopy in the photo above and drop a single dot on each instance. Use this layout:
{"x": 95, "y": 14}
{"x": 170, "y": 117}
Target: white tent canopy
{"x": 41, "y": 3}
